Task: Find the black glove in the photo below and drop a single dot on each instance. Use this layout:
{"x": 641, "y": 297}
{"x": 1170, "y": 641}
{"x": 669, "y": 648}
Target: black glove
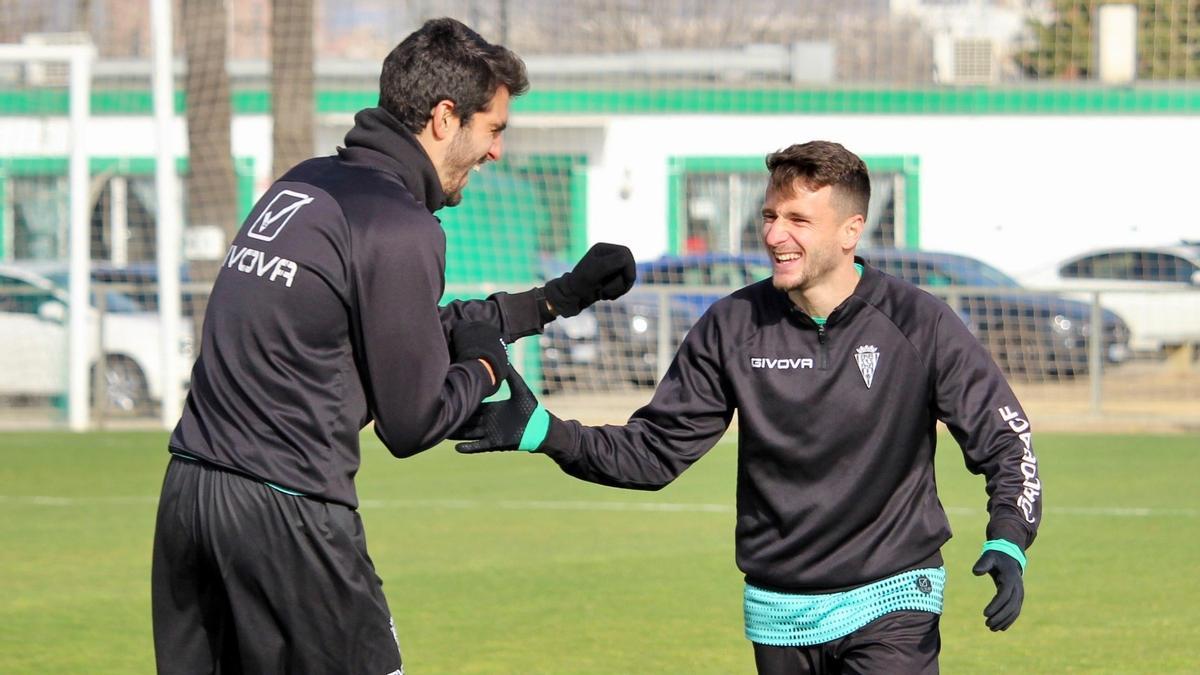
{"x": 1002, "y": 611}
{"x": 481, "y": 340}
{"x": 516, "y": 423}
{"x": 605, "y": 272}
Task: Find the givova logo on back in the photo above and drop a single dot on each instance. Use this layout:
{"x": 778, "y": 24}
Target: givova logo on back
{"x": 279, "y": 211}
{"x": 266, "y": 227}
{"x": 250, "y": 261}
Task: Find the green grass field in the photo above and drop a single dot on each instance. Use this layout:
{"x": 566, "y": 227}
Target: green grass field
{"x": 502, "y": 564}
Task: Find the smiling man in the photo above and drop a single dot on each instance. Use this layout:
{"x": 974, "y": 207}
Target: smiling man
{"x": 839, "y": 374}
{"x": 324, "y": 319}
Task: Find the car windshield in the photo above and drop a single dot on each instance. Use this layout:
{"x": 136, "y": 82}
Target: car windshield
{"x": 116, "y": 303}
{"x": 734, "y": 273}
{"x": 974, "y": 273}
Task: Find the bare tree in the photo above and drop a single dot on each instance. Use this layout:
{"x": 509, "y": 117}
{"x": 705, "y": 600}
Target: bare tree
{"x": 291, "y": 83}
{"x": 83, "y": 15}
{"x": 211, "y": 187}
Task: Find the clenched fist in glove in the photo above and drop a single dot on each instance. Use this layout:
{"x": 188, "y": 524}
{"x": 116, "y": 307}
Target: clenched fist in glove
{"x": 605, "y": 272}
{"x": 1005, "y": 561}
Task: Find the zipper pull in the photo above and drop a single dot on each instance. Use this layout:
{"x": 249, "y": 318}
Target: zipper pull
{"x": 822, "y": 338}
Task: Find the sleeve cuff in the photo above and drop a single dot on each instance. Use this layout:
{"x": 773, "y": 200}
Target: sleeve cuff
{"x": 1010, "y": 529}
{"x": 561, "y": 440}
{"x": 1006, "y": 547}
{"x": 521, "y": 313}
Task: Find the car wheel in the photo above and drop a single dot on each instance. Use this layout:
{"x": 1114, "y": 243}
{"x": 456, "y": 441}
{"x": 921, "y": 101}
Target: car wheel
{"x": 123, "y": 388}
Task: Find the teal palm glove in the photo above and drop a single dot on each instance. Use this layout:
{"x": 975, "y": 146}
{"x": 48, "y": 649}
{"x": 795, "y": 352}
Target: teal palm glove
{"x": 516, "y": 423}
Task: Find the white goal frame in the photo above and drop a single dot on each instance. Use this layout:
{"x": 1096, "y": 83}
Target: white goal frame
{"x": 79, "y": 59}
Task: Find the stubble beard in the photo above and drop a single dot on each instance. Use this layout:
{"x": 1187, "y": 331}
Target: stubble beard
{"x": 818, "y": 264}
{"x": 459, "y": 163}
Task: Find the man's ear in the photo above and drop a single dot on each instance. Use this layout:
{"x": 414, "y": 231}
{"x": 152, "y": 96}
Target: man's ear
{"x": 852, "y": 229}
{"x": 443, "y": 121}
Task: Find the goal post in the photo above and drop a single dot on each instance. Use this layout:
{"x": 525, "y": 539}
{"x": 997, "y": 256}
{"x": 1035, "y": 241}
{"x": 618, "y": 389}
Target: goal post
{"x": 79, "y": 60}
{"x": 170, "y": 228}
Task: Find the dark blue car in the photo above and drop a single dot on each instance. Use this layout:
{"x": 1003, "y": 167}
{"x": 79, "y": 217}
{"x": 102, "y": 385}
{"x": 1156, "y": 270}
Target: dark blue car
{"x": 619, "y": 342}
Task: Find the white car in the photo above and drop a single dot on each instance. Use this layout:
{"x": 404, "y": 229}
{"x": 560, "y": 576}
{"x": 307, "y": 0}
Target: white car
{"x": 33, "y": 344}
{"x": 1155, "y": 288}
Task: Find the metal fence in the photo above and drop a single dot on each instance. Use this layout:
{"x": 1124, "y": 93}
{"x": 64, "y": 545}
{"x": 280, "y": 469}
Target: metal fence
{"x": 1044, "y": 341}
{"x": 1062, "y": 368}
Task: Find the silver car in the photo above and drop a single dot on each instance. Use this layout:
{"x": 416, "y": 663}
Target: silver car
{"x": 33, "y": 344}
{"x": 1155, "y": 288}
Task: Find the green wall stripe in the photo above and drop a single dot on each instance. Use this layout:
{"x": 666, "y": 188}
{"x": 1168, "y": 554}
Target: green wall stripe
{"x": 1042, "y": 100}
{"x": 346, "y": 101}
{"x": 129, "y": 166}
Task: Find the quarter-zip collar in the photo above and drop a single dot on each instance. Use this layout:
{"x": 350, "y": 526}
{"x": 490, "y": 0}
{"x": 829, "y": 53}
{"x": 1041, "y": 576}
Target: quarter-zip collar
{"x": 866, "y": 292}
{"x": 379, "y": 139}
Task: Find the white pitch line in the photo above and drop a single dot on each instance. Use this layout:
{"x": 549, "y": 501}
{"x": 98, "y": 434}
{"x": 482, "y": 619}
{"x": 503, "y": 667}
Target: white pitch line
{"x": 46, "y": 500}
{"x": 526, "y": 505}
{"x": 547, "y": 505}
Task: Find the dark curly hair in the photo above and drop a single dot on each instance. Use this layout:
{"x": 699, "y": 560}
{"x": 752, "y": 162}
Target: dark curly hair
{"x": 445, "y": 60}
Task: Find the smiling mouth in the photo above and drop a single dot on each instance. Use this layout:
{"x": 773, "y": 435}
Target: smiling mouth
{"x": 787, "y": 257}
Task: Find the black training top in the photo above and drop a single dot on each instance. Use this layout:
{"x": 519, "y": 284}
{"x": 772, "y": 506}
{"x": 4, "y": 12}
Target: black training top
{"x": 325, "y": 317}
{"x": 836, "y": 432}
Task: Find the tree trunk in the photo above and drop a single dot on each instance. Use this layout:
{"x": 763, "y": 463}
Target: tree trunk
{"x": 210, "y": 185}
{"x": 83, "y": 16}
{"x": 291, "y": 83}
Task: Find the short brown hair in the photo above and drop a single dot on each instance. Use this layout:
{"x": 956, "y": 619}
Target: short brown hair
{"x": 817, "y": 164}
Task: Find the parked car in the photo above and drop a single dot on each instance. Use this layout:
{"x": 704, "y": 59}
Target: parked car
{"x": 1030, "y": 334}
{"x": 569, "y": 348}
{"x": 140, "y": 282}
{"x": 1156, "y": 288}
{"x": 613, "y": 342}
{"x": 33, "y": 343}
{"x": 629, "y": 327}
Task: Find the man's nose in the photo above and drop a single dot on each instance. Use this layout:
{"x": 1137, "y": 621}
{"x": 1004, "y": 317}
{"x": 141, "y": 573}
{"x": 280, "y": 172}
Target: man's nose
{"x": 496, "y": 149}
{"x": 773, "y": 235}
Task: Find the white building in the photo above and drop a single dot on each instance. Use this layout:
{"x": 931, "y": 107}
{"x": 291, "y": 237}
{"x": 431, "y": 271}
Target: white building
{"x": 1018, "y": 176}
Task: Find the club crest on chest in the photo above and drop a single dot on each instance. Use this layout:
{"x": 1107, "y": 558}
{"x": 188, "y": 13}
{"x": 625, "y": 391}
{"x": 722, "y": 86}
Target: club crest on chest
{"x": 867, "y": 357}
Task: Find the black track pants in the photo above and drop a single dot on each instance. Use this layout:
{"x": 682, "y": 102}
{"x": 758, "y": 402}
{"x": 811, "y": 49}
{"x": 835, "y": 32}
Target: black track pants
{"x": 900, "y": 643}
{"x": 247, "y": 579}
